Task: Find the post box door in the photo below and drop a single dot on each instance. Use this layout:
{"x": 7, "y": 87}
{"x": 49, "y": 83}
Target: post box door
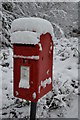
{"x": 25, "y": 82}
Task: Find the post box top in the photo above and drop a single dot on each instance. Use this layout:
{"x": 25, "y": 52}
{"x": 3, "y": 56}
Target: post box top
{"x": 26, "y": 30}
{"x": 25, "y": 37}
{"x": 36, "y": 24}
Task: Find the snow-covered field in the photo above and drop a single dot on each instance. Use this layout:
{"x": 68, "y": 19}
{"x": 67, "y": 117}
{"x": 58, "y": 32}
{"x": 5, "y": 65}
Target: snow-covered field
{"x": 62, "y": 101}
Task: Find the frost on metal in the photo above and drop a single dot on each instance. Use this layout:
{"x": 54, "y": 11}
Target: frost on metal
{"x": 28, "y": 30}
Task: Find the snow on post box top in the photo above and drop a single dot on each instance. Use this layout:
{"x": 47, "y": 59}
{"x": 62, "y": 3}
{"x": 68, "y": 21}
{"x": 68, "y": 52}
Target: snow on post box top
{"x": 28, "y": 30}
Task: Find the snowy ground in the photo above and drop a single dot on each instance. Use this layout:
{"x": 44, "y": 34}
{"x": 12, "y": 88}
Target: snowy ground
{"x": 62, "y": 101}
{"x": 0, "y": 88}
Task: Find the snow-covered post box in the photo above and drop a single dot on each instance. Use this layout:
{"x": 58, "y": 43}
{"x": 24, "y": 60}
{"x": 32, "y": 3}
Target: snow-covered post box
{"x": 32, "y": 40}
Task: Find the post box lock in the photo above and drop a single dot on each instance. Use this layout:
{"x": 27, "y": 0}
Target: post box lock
{"x": 24, "y": 61}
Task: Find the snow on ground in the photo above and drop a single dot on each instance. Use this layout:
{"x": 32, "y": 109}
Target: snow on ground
{"x": 0, "y": 87}
{"x": 62, "y": 101}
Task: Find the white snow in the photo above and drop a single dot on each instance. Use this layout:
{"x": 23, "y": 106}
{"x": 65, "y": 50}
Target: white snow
{"x": 25, "y": 37}
{"x": 0, "y": 91}
{"x": 45, "y": 82}
{"x": 26, "y": 57}
{"x": 39, "y": 89}
{"x": 61, "y": 30}
{"x": 40, "y": 46}
{"x": 32, "y": 24}
{"x": 24, "y": 81}
{"x": 24, "y": 84}
{"x": 51, "y": 47}
{"x": 34, "y": 95}
{"x": 17, "y": 93}
{"x": 47, "y": 71}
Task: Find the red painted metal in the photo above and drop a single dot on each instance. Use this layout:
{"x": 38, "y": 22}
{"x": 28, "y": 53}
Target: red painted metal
{"x": 38, "y": 68}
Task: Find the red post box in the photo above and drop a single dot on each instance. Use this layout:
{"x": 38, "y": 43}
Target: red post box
{"x": 33, "y": 66}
